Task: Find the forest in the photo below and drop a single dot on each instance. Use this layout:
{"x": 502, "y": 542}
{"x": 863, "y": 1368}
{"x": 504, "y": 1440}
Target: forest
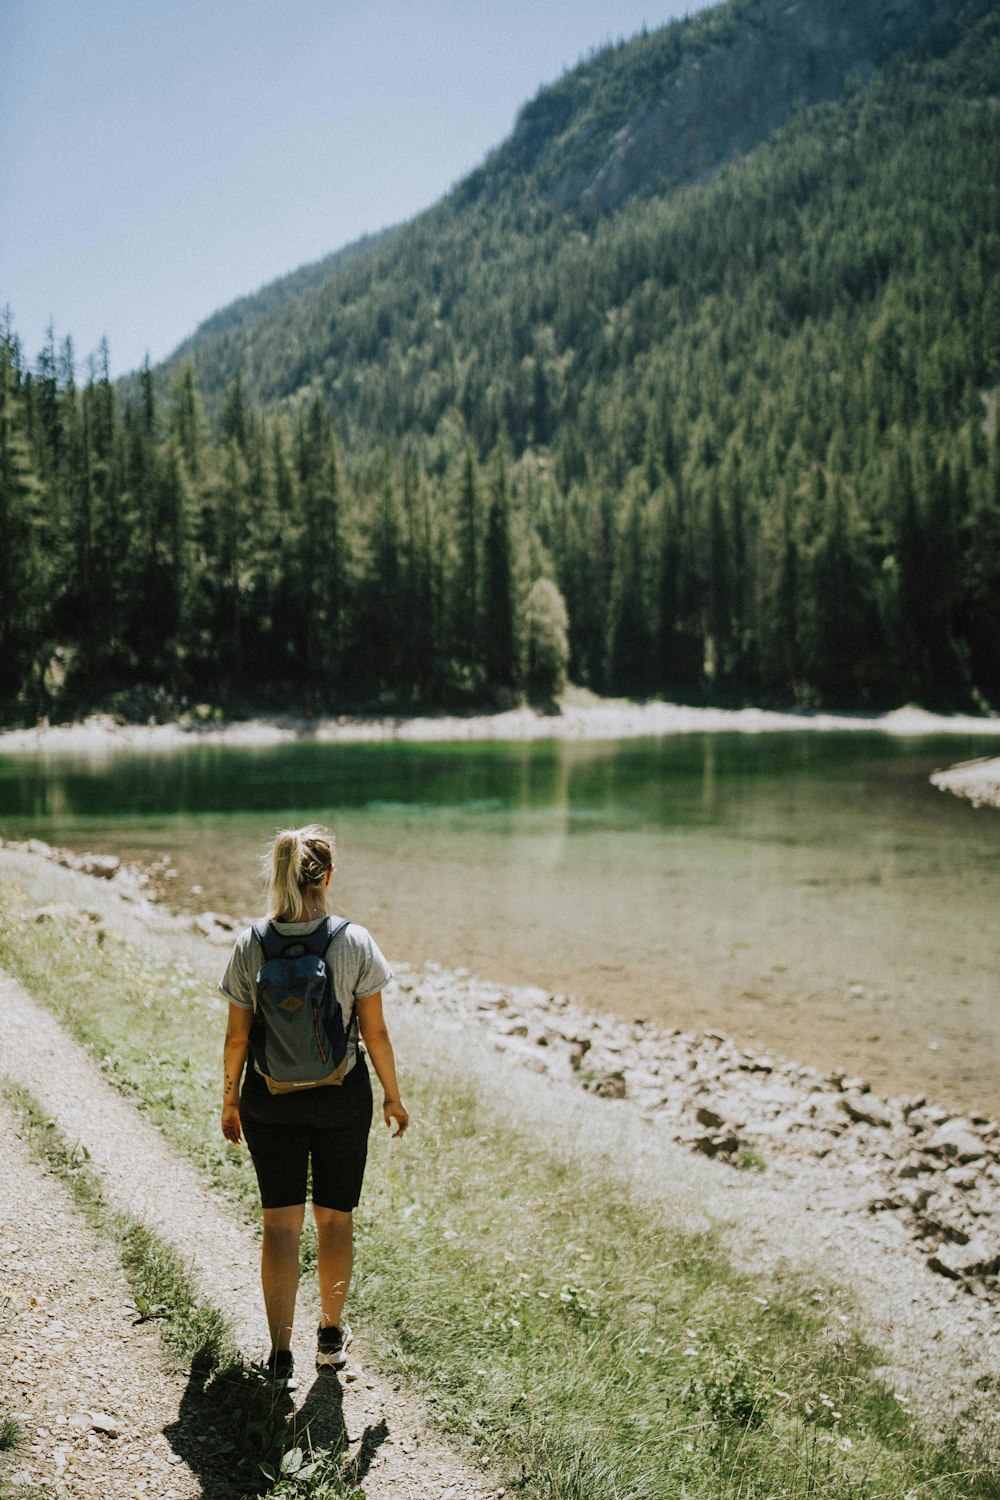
{"x": 732, "y": 441}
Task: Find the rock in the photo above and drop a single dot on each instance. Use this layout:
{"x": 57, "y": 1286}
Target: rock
{"x": 956, "y": 1140}
{"x": 706, "y": 1116}
{"x": 932, "y": 1226}
{"x": 943, "y": 1268}
{"x": 214, "y": 924}
{"x": 962, "y": 1178}
{"x": 912, "y": 1166}
{"x": 611, "y": 1086}
{"x": 827, "y": 1113}
{"x": 720, "y": 1144}
{"x": 580, "y": 1047}
{"x": 104, "y": 866}
{"x": 101, "y": 1422}
{"x": 915, "y": 1199}
{"x": 72, "y": 913}
{"x": 971, "y": 1259}
{"x": 868, "y": 1113}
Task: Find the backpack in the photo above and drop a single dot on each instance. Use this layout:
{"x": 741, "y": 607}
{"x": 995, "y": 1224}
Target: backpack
{"x": 298, "y": 1037}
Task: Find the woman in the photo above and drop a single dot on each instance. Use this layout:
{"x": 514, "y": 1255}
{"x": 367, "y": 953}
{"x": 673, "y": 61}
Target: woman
{"x": 325, "y": 1125}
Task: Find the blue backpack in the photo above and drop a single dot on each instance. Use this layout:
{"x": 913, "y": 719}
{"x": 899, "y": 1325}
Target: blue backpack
{"x": 298, "y": 1037}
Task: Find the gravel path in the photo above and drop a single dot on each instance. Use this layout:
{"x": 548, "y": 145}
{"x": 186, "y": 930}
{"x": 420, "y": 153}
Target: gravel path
{"x": 54, "y": 1257}
{"x": 81, "y": 1375}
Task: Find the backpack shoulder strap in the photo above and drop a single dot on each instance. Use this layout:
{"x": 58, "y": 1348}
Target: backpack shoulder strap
{"x": 317, "y": 941}
{"x": 335, "y": 926}
{"x": 265, "y": 935}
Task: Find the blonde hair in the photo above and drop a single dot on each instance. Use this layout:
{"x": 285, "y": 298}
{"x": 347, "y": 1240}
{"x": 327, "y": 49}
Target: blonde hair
{"x": 297, "y": 861}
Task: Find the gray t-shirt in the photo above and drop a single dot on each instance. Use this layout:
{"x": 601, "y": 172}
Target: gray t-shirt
{"x": 355, "y": 960}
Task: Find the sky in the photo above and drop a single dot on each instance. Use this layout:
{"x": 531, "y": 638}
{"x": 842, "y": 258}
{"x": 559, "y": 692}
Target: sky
{"x": 159, "y": 158}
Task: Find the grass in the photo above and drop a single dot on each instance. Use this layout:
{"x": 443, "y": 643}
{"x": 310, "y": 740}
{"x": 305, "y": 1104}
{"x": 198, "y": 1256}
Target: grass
{"x": 264, "y": 1447}
{"x": 557, "y": 1322}
{"x": 11, "y": 1433}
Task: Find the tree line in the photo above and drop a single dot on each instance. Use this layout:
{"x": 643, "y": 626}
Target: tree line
{"x": 139, "y": 547}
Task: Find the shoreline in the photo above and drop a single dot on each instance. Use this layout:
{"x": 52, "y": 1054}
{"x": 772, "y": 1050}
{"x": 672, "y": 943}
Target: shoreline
{"x": 978, "y": 781}
{"x": 830, "y": 1189}
{"x": 918, "y": 1174}
{"x": 581, "y": 717}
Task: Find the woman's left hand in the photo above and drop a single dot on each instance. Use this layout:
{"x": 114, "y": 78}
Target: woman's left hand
{"x": 395, "y": 1110}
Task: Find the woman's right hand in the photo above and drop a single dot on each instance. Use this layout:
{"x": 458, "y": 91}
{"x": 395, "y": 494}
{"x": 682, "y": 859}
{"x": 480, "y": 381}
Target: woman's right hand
{"x": 231, "y": 1128}
{"x": 394, "y": 1110}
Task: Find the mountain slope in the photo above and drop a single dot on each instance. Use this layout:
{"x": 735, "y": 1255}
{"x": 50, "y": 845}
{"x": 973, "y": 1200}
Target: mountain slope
{"x": 664, "y": 109}
{"x": 674, "y": 106}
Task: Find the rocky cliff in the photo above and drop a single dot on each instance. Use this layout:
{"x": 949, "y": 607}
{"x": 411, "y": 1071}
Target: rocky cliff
{"x": 709, "y": 94}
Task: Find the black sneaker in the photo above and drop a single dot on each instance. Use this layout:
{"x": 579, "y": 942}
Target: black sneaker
{"x": 331, "y": 1347}
{"x": 279, "y": 1370}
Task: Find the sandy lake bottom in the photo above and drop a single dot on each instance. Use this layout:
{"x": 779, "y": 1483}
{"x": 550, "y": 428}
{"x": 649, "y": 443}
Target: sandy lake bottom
{"x": 810, "y": 895}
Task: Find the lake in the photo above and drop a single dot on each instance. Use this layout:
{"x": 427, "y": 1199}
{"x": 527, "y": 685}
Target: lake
{"x": 809, "y": 893}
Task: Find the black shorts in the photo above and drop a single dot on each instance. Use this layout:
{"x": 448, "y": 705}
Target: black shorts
{"x": 337, "y": 1147}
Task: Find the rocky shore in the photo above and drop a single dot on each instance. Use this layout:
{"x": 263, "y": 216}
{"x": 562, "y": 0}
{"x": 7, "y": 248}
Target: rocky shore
{"x": 935, "y": 1172}
{"x": 582, "y": 715}
{"x": 977, "y": 780}
{"x": 931, "y": 1172}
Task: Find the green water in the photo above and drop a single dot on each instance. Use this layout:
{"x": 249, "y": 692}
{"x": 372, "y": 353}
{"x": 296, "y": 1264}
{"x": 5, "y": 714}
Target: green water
{"x": 810, "y": 893}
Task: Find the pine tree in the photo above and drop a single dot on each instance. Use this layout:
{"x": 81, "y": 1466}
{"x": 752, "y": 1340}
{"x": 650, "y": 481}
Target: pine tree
{"x": 22, "y": 598}
{"x": 501, "y": 645}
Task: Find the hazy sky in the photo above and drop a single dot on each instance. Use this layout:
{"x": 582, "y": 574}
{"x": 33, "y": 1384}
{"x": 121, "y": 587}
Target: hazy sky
{"x": 159, "y": 158}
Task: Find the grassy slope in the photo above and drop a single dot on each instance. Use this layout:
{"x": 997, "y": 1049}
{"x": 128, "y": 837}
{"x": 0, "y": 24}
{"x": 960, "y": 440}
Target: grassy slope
{"x": 572, "y": 1334}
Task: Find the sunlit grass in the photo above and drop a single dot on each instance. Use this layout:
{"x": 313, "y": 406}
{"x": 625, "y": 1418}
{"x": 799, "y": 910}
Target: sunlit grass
{"x": 556, "y": 1320}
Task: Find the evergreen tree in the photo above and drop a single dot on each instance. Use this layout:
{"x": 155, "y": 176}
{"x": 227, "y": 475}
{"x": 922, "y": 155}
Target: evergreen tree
{"x": 22, "y": 575}
{"x": 501, "y": 643}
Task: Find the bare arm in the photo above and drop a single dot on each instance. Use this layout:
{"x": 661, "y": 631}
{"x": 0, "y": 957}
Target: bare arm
{"x": 375, "y": 1035}
{"x": 233, "y": 1061}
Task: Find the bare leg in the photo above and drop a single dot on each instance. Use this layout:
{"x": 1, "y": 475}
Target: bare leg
{"x": 279, "y": 1270}
{"x": 335, "y": 1242}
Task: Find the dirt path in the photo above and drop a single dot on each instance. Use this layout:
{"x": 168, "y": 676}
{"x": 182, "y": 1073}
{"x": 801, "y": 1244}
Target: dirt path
{"x": 81, "y": 1375}
{"x": 397, "y": 1456}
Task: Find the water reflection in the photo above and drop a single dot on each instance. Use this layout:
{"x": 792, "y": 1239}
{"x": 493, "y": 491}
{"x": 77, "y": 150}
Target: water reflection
{"x": 811, "y": 892}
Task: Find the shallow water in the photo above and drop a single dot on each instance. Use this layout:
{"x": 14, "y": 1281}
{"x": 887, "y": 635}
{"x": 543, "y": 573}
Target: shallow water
{"x": 809, "y": 893}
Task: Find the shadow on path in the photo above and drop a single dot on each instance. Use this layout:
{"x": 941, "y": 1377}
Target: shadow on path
{"x": 231, "y": 1423}
{"x": 228, "y": 1424}
{"x": 320, "y": 1425}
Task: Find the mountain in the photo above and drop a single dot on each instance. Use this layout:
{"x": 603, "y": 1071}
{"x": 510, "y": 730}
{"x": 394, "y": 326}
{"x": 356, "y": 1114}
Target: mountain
{"x": 666, "y": 109}
{"x": 675, "y": 106}
{"x": 690, "y": 388}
